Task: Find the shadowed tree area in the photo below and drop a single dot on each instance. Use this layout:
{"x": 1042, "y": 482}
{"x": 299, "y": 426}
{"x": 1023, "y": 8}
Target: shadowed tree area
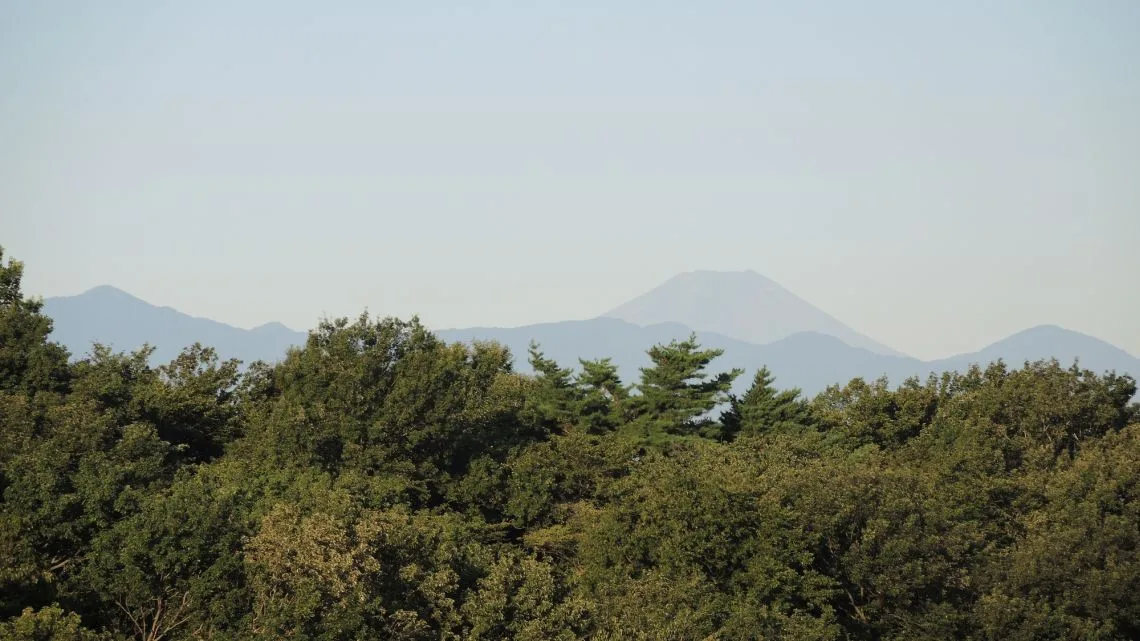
{"x": 379, "y": 483}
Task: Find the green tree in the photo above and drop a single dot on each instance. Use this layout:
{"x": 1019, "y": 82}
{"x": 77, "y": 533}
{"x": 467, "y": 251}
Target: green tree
{"x": 554, "y": 400}
{"x": 50, "y": 623}
{"x": 1075, "y": 572}
{"x": 29, "y": 363}
{"x": 604, "y": 398}
{"x": 861, "y": 413}
{"x": 194, "y": 406}
{"x": 389, "y": 574}
{"x": 521, "y": 597}
{"x": 387, "y": 395}
{"x": 763, "y": 409}
{"x": 174, "y": 564}
{"x": 543, "y": 478}
{"x": 79, "y": 475}
{"x": 690, "y": 545}
{"x": 677, "y": 393}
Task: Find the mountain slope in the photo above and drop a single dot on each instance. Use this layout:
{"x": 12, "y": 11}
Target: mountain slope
{"x": 743, "y": 305}
{"x": 124, "y": 322}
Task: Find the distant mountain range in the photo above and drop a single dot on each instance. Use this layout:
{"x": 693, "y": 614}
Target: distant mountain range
{"x": 805, "y": 348}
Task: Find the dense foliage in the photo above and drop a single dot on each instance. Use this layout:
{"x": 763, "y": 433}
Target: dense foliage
{"x": 381, "y": 484}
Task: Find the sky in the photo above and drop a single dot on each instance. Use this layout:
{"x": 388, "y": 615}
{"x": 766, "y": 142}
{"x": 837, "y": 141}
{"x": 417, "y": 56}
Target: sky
{"x": 938, "y": 175}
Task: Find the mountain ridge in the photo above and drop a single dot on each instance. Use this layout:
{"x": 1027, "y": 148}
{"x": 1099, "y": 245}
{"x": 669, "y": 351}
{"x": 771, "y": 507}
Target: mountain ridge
{"x": 123, "y": 321}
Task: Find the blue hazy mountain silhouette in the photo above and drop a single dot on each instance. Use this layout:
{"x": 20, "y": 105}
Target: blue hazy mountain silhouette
{"x": 123, "y": 322}
{"x": 743, "y": 304}
{"x": 809, "y": 360}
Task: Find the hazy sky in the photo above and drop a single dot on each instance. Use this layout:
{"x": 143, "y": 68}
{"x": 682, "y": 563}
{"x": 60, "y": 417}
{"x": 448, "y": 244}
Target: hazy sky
{"x": 936, "y": 174}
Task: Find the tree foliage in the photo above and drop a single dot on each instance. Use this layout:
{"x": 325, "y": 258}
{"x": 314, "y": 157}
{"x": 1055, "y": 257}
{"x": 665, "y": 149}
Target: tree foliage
{"x": 378, "y": 482}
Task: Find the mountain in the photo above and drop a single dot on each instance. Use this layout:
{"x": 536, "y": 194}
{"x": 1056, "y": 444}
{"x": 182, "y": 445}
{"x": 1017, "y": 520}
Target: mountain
{"x": 1031, "y": 344}
{"x": 1049, "y": 341}
{"x": 808, "y": 360}
{"x": 743, "y": 305}
{"x": 124, "y": 322}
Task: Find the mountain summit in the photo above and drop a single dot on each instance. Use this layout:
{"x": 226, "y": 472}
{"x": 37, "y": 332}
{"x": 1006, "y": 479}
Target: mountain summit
{"x": 743, "y": 305}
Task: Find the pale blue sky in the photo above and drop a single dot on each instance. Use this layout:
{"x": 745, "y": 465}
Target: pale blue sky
{"x": 936, "y": 174}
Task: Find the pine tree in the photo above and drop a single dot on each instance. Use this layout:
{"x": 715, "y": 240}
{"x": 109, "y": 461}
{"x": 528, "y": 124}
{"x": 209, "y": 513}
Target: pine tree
{"x": 676, "y": 392}
{"x": 764, "y": 409}
{"x": 555, "y": 399}
{"x": 603, "y": 395}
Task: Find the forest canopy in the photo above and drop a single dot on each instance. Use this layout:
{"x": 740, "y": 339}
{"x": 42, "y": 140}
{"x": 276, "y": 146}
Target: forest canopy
{"x": 379, "y": 483}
